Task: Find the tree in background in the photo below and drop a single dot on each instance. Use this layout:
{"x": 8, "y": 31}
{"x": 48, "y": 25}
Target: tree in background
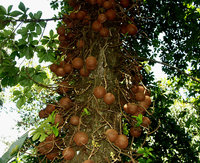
{"x": 101, "y": 102}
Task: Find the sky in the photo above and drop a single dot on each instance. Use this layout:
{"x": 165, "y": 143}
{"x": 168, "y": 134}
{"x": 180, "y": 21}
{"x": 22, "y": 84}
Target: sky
{"x": 8, "y": 120}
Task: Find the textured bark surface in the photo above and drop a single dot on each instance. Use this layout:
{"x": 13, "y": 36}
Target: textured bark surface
{"x": 102, "y": 116}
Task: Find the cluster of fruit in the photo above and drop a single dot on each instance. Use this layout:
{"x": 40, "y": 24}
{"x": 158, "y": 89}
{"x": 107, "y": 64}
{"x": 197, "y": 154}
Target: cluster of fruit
{"x": 142, "y": 102}
{"x": 100, "y": 92}
{"x": 65, "y": 68}
{"x": 89, "y": 17}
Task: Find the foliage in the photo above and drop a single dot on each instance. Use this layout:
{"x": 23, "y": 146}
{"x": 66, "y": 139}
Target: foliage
{"x": 14, "y": 149}
{"x": 169, "y": 30}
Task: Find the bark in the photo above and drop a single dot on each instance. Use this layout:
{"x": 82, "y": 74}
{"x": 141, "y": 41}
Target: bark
{"x": 102, "y": 116}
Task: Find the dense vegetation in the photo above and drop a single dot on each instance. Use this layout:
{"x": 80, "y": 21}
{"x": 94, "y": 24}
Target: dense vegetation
{"x": 117, "y": 53}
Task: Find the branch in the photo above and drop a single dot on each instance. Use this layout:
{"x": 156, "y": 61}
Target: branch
{"x": 32, "y": 20}
{"x": 163, "y": 63}
{"x": 166, "y": 64}
{"x": 37, "y": 83}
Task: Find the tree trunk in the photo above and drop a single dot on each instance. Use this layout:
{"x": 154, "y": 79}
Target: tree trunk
{"x": 102, "y": 116}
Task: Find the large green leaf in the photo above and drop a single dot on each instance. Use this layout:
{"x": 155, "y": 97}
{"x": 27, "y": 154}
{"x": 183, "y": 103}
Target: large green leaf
{"x": 22, "y": 7}
{"x": 2, "y": 10}
{"x": 14, "y": 148}
{"x": 15, "y": 13}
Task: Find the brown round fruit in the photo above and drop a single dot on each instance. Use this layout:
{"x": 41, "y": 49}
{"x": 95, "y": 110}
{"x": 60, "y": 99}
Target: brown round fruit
{"x": 74, "y": 120}
{"x": 146, "y": 122}
{"x": 121, "y": 141}
{"x": 68, "y": 68}
{"x": 50, "y": 108}
{"x": 53, "y": 154}
{"x": 72, "y": 15}
{"x": 62, "y": 63}
{"x": 123, "y": 29}
{"x": 126, "y": 108}
{"x": 100, "y": 2}
{"x": 53, "y": 67}
{"x": 60, "y": 71}
{"x": 131, "y": 29}
{"x": 111, "y": 134}
{"x": 99, "y": 92}
{"x": 131, "y": 108}
{"x": 124, "y": 3}
{"x": 91, "y": 63}
{"x": 45, "y": 147}
{"x": 140, "y": 89}
{"x": 77, "y": 63}
{"x": 80, "y": 44}
{"x": 43, "y": 114}
{"x": 80, "y": 138}
{"x": 65, "y": 102}
{"x": 96, "y": 26}
{"x": 139, "y": 96}
{"x": 102, "y": 18}
{"x": 58, "y": 120}
{"x": 88, "y": 161}
{"x": 80, "y": 15}
{"x": 107, "y": 4}
{"x": 146, "y": 103}
{"x": 136, "y": 131}
{"x": 68, "y": 153}
{"x": 110, "y": 14}
{"x": 92, "y": 2}
{"x": 84, "y": 72}
{"x": 62, "y": 38}
{"x": 61, "y": 30}
{"x": 134, "y": 88}
{"x": 109, "y": 98}
{"x": 104, "y": 32}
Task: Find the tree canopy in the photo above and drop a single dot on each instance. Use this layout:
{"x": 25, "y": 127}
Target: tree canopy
{"x": 115, "y": 51}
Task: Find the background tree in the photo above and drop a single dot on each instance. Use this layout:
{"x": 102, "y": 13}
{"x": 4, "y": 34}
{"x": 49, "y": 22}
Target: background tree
{"x": 167, "y": 30}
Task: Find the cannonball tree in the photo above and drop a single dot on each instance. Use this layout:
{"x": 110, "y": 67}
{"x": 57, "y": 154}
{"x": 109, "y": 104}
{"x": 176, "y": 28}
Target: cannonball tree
{"x": 104, "y": 110}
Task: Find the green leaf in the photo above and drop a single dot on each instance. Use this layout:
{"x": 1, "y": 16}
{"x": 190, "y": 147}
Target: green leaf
{"x": 28, "y": 52}
{"x": 31, "y": 15}
{"x": 14, "y": 148}
{"x": 21, "y": 101}
{"x": 38, "y": 15}
{"x": 10, "y": 8}
{"x": 15, "y": 13}
{"x": 34, "y": 42}
{"x": 147, "y": 68}
{"x": 43, "y": 24}
{"x": 51, "y": 33}
{"x": 55, "y": 131}
{"x": 141, "y": 150}
{"x": 43, "y": 137}
{"x": 22, "y": 7}
{"x": 16, "y": 93}
{"x": 38, "y": 29}
{"x": 2, "y": 10}
{"x": 86, "y": 112}
{"x": 31, "y": 26}
{"x": 36, "y": 136}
